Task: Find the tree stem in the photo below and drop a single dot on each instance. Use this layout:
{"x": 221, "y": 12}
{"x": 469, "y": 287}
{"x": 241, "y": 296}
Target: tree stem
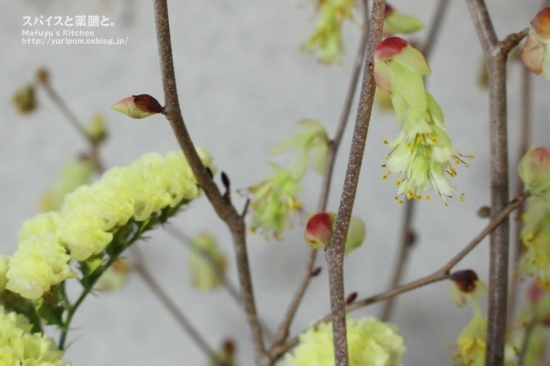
{"x": 226, "y": 211}
{"x": 335, "y": 252}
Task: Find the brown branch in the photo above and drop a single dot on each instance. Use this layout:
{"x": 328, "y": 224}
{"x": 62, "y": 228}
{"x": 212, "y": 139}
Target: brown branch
{"x": 169, "y": 305}
{"x": 407, "y": 239}
{"x": 495, "y": 57}
{"x": 335, "y": 252}
{"x": 435, "y": 27}
{"x": 437, "y": 276}
{"x": 283, "y": 331}
{"x": 66, "y": 111}
{"x": 74, "y": 122}
{"x": 225, "y": 211}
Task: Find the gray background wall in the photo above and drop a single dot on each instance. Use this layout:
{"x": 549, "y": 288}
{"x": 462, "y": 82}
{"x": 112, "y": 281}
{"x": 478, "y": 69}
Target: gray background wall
{"x": 243, "y": 84}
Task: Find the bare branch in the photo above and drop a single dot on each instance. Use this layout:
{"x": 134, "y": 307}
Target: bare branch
{"x": 335, "y": 252}
{"x": 283, "y": 331}
{"x": 495, "y": 57}
{"x": 225, "y": 211}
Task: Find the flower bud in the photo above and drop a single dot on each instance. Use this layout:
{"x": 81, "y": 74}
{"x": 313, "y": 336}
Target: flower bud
{"x": 356, "y": 234}
{"x": 465, "y": 280}
{"x": 484, "y": 212}
{"x": 319, "y": 230}
{"x": 351, "y": 298}
{"x": 389, "y": 48}
{"x": 534, "y": 292}
{"x": 25, "y": 99}
{"x": 97, "y": 130}
{"x": 466, "y": 285}
{"x": 225, "y": 356}
{"x": 534, "y": 170}
{"x": 541, "y": 23}
{"x": 316, "y": 271}
{"x": 532, "y": 55}
{"x": 138, "y": 106}
{"x": 43, "y": 75}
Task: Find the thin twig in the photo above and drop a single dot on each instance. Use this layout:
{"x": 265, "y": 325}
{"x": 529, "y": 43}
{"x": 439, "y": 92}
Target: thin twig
{"x": 169, "y": 305}
{"x": 335, "y": 252}
{"x": 225, "y": 211}
{"x": 66, "y": 111}
{"x": 407, "y": 232}
{"x": 437, "y": 276}
{"x": 407, "y": 238}
{"x": 435, "y": 27}
{"x": 524, "y": 138}
{"x": 495, "y": 57}
{"x": 283, "y": 331}
{"x": 226, "y": 284}
{"x": 74, "y": 122}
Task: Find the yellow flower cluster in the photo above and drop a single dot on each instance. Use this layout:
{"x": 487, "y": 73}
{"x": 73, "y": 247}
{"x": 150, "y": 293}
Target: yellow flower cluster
{"x": 91, "y": 215}
{"x": 370, "y": 342}
{"x": 19, "y": 347}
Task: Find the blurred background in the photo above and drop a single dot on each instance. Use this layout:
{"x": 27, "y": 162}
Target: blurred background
{"x": 243, "y": 84}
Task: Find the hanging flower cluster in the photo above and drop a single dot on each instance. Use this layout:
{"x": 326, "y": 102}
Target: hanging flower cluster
{"x": 327, "y": 37}
{"x": 274, "y": 202}
{"x": 534, "y": 170}
{"x": 422, "y": 152}
{"x": 91, "y": 216}
{"x": 370, "y": 342}
{"x": 472, "y": 341}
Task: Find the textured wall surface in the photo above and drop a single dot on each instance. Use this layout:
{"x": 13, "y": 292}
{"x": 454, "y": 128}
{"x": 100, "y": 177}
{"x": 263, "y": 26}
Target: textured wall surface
{"x": 243, "y": 83}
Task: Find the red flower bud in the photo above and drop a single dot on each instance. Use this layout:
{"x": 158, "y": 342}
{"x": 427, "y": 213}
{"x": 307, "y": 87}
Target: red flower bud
{"x": 351, "y": 298}
{"x": 541, "y": 23}
{"x": 389, "y": 47}
{"x": 138, "y": 106}
{"x": 534, "y": 169}
{"x": 465, "y": 280}
{"x": 146, "y": 103}
{"x": 534, "y": 293}
{"x": 319, "y": 230}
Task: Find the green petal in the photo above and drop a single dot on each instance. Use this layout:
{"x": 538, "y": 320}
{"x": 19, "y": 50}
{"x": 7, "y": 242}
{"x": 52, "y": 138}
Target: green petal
{"x": 298, "y": 164}
{"x": 410, "y": 85}
{"x": 289, "y": 144}
{"x": 319, "y": 153}
{"x": 413, "y": 60}
{"x": 400, "y": 23}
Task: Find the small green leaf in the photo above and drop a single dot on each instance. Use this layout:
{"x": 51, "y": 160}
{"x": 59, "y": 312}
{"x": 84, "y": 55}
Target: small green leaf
{"x": 52, "y": 314}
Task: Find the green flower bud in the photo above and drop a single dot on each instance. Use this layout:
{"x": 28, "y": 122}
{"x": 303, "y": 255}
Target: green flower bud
{"x": 24, "y": 99}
